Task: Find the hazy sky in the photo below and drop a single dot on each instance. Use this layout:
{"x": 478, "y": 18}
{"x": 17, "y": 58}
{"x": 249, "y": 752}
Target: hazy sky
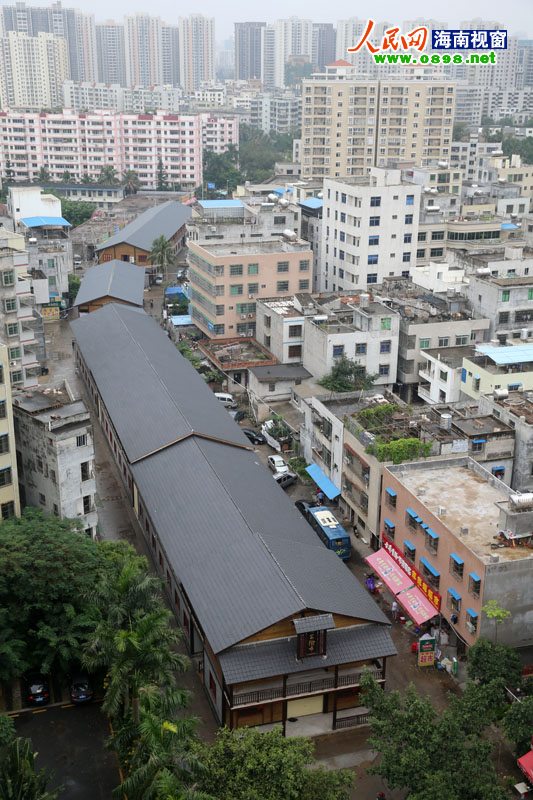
{"x": 515, "y": 15}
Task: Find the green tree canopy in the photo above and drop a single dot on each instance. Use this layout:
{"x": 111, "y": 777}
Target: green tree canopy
{"x": 347, "y": 376}
{"x": 431, "y": 754}
{"x": 488, "y": 662}
{"x": 76, "y": 211}
{"x": 258, "y": 152}
{"x": 523, "y": 147}
{"x": 131, "y": 182}
{"x": 518, "y": 725}
{"x": 162, "y": 254}
{"x": 19, "y": 780}
{"x": 108, "y": 175}
{"x": 162, "y": 179}
{"x": 247, "y": 764}
{"x": 222, "y": 169}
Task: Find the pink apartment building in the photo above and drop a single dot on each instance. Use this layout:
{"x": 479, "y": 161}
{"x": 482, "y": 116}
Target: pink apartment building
{"x": 82, "y": 143}
{"x": 226, "y": 280}
{"x": 464, "y": 538}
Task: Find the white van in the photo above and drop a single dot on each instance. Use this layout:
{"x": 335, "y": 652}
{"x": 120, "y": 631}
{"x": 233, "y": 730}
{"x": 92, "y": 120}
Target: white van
{"x": 227, "y": 400}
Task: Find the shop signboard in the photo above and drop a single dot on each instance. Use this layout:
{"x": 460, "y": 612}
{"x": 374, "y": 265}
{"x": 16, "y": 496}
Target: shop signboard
{"x": 418, "y": 580}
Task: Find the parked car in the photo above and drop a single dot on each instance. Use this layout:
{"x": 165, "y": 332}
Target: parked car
{"x": 37, "y": 691}
{"x": 302, "y": 507}
{"x": 285, "y": 479}
{"x": 227, "y": 400}
{"x": 253, "y": 436}
{"x": 158, "y": 280}
{"x": 277, "y": 464}
{"x": 81, "y": 690}
{"x": 238, "y": 415}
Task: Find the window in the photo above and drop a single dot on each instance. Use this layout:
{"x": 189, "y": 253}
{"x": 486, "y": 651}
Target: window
{"x": 81, "y": 441}
{"x": 375, "y": 202}
{"x": 338, "y": 350}
{"x": 530, "y": 294}
{"x": 384, "y": 370}
{"x": 373, "y": 222}
{"x": 460, "y": 340}
{"x": 212, "y": 686}
{"x": 406, "y": 257}
{"x": 343, "y": 198}
{"x": 436, "y": 252}
{"x": 282, "y": 286}
{"x": 295, "y": 351}
{"x": 372, "y": 260}
{"x": 42, "y": 499}
{"x": 453, "y": 600}
{"x": 235, "y": 289}
{"x": 87, "y": 504}
{"x": 444, "y": 341}
{"x": 295, "y": 331}
{"x": 474, "y": 584}
{"x": 407, "y": 238}
{"x": 5, "y": 476}
{"x": 437, "y": 236}
{"x": 235, "y": 269}
{"x": 283, "y": 266}
{"x": 506, "y": 295}
{"x": 10, "y": 304}
{"x": 15, "y": 353}
{"x": 422, "y": 237}
{"x": 8, "y": 278}
{"x": 409, "y": 550}
{"x": 431, "y": 541}
{"x": 280, "y": 220}
{"x": 343, "y": 216}
{"x": 385, "y": 346}
{"x": 430, "y": 573}
{"x": 386, "y": 323}
{"x": 373, "y": 241}
{"x": 390, "y": 497}
{"x": 3, "y": 409}
{"x": 410, "y": 200}
{"x": 471, "y": 620}
{"x": 304, "y": 266}
{"x": 360, "y": 349}
{"x": 389, "y": 528}
{"x": 4, "y": 443}
{"x": 408, "y": 219}
{"x": 303, "y": 285}
{"x": 12, "y": 328}
{"x": 372, "y": 277}
{"x": 271, "y": 387}
{"x": 457, "y": 566}
{"x": 253, "y": 269}
{"x": 443, "y": 375}
{"x": 85, "y": 470}
{"x": 8, "y": 510}
{"x": 503, "y": 317}
{"x": 420, "y": 253}
{"x": 253, "y": 288}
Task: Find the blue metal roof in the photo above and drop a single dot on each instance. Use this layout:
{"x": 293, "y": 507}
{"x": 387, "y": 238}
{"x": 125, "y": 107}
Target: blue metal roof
{"x": 509, "y": 226}
{"x": 322, "y": 481}
{"x": 509, "y": 354}
{"x": 220, "y": 203}
{"x": 183, "y": 319}
{"x": 313, "y": 202}
{"x": 38, "y": 222}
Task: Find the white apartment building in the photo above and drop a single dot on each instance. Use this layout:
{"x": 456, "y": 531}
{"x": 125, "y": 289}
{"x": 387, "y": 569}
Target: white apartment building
{"x": 268, "y": 57}
{"x": 502, "y": 291}
{"x": 32, "y": 70}
{"x": 277, "y": 112}
{"x": 369, "y": 230}
{"x": 504, "y": 102}
{"x": 468, "y": 156}
{"x": 9, "y": 490}
{"x": 469, "y": 103}
{"x": 197, "y": 51}
{"x": 110, "y": 53}
{"x": 130, "y": 100}
{"x": 219, "y": 132}
{"x": 210, "y": 97}
{"x": 351, "y": 124}
{"x": 292, "y": 37}
{"x": 440, "y": 374}
{"x": 82, "y": 144}
{"x": 143, "y": 50}
{"x": 56, "y": 455}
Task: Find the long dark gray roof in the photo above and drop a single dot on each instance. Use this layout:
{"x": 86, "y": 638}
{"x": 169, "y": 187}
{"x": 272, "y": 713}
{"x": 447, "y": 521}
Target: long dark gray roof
{"x": 266, "y": 659}
{"x": 117, "y": 279}
{"x": 161, "y": 220}
{"x": 153, "y": 394}
{"x": 280, "y": 372}
{"x": 244, "y": 554}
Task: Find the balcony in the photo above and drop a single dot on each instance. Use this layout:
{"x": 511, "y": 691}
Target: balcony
{"x": 424, "y": 394}
{"x": 303, "y": 688}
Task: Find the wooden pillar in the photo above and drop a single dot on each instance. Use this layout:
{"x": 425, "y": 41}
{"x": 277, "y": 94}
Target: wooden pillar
{"x": 384, "y": 668}
{"x": 335, "y": 697}
{"x": 284, "y": 706}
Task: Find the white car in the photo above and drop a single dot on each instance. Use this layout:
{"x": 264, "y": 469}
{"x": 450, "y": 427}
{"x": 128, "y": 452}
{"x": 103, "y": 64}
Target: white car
{"x": 277, "y": 465}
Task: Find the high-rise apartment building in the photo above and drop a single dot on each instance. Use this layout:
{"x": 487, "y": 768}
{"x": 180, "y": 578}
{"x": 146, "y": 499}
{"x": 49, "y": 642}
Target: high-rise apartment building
{"x": 293, "y": 37}
{"x": 369, "y": 230}
{"x": 32, "y": 70}
{"x": 197, "y": 51}
{"x": 170, "y": 55}
{"x": 323, "y": 49}
{"x": 9, "y": 490}
{"x": 268, "y": 57}
{"x": 350, "y": 124}
{"x": 76, "y": 27}
{"x": 110, "y": 53}
{"x": 248, "y": 50}
{"x": 143, "y": 49}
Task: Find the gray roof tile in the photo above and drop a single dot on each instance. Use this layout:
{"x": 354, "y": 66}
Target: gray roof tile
{"x": 117, "y": 279}
{"x": 161, "y": 220}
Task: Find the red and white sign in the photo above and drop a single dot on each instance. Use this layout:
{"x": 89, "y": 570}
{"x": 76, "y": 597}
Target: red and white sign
{"x": 392, "y": 576}
{"x": 416, "y": 578}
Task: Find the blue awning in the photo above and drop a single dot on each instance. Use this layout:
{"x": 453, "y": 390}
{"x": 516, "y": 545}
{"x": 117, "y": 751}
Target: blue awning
{"x": 424, "y": 526}
{"x": 432, "y": 533}
{"x": 184, "y": 319}
{"x": 322, "y": 481}
{"x": 479, "y": 441}
{"x": 418, "y": 519}
{"x": 474, "y": 576}
{"x": 454, "y": 594}
{"x": 388, "y": 523}
{"x": 499, "y": 468}
{"x": 39, "y": 222}
{"x": 471, "y": 613}
{"x": 391, "y": 492}
{"x": 457, "y": 559}
{"x": 429, "y": 567}
{"x": 409, "y": 544}
{"x": 411, "y": 513}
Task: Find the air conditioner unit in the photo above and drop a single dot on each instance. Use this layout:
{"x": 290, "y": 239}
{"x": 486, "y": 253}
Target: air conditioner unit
{"x": 242, "y": 334}
{"x": 251, "y": 296}
{"x": 250, "y": 316}
{"x": 243, "y": 316}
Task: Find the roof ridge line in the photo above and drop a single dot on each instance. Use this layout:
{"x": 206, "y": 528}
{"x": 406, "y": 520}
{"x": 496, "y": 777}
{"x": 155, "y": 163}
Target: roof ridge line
{"x": 189, "y": 435}
{"x": 276, "y": 562}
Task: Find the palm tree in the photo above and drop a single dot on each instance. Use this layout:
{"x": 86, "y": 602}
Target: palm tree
{"x": 162, "y": 254}
{"x": 131, "y": 182}
{"x": 108, "y": 175}
{"x": 86, "y": 178}
{"x": 18, "y": 778}
{"x": 121, "y": 596}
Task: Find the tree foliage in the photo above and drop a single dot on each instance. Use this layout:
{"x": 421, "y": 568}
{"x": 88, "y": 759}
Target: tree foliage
{"x": 431, "y": 754}
{"x": 7, "y": 730}
{"x": 400, "y": 450}
{"x": 131, "y": 182}
{"x": 347, "y": 376}
{"x": 108, "y": 176}
{"x": 518, "y": 725}
{"x": 523, "y": 147}
{"x": 19, "y": 780}
{"x": 222, "y": 169}
{"x": 76, "y": 211}
{"x": 488, "y": 661}
{"x": 259, "y": 151}
{"x": 162, "y": 254}
{"x": 162, "y": 180}
{"x": 74, "y": 282}
{"x": 247, "y": 764}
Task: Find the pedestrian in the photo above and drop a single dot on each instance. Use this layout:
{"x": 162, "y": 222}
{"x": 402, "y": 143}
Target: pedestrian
{"x": 320, "y": 497}
{"x": 381, "y": 796}
{"x": 151, "y": 303}
{"x": 395, "y": 609}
